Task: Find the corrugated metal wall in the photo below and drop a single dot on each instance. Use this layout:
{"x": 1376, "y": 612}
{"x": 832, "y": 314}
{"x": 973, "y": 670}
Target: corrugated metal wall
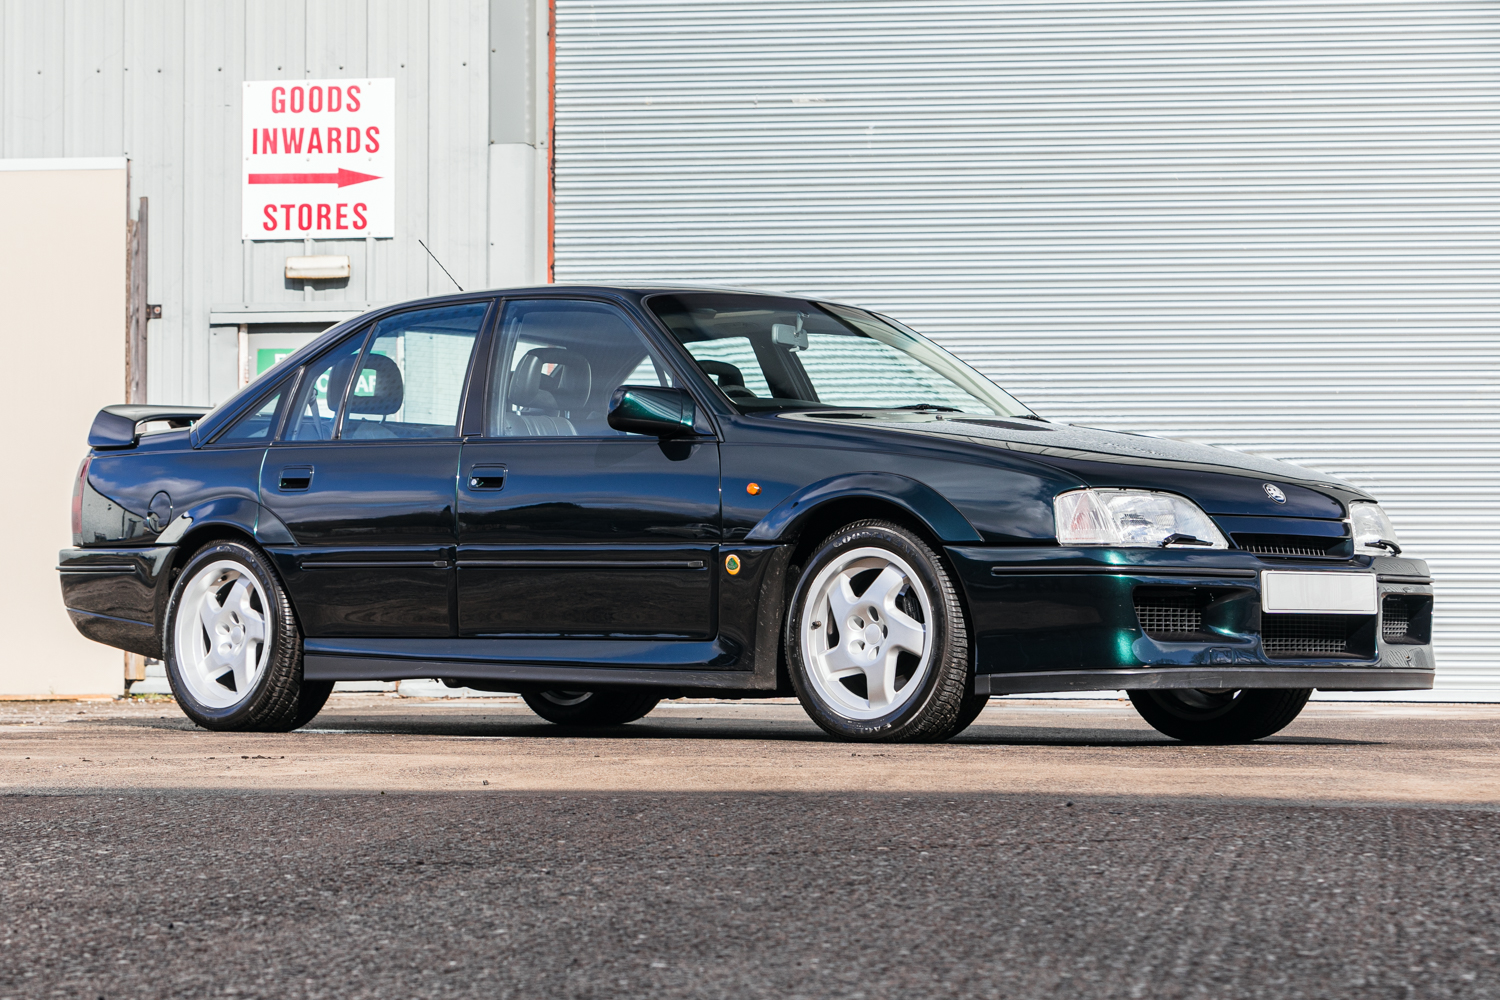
{"x": 159, "y": 81}
{"x": 1268, "y": 225}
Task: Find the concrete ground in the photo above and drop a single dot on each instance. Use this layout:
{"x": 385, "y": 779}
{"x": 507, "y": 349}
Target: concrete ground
{"x": 400, "y": 848}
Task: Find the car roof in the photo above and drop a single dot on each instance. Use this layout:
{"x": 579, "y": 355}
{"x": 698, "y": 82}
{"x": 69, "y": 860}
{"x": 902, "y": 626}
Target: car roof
{"x": 635, "y": 289}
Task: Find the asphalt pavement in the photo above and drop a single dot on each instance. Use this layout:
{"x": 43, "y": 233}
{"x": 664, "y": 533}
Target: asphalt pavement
{"x": 401, "y": 848}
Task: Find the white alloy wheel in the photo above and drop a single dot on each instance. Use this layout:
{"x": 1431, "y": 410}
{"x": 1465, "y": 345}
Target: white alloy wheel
{"x": 867, "y": 635}
{"x": 220, "y": 634}
{"x": 567, "y": 699}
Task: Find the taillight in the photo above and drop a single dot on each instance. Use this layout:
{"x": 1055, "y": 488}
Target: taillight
{"x": 83, "y": 477}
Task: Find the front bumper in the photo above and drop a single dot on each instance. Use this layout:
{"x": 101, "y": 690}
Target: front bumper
{"x": 1066, "y": 619}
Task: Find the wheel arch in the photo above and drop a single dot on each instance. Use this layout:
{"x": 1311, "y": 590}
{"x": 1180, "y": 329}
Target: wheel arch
{"x": 829, "y": 517}
{"x": 898, "y": 497}
{"x": 809, "y": 516}
{"x": 234, "y": 519}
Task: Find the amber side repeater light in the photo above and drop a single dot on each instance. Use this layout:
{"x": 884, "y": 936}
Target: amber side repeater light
{"x": 753, "y": 489}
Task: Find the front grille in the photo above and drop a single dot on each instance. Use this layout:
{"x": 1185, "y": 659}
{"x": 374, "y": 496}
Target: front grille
{"x": 1289, "y": 637}
{"x": 1284, "y": 550}
{"x": 1291, "y": 545}
{"x": 1174, "y": 613}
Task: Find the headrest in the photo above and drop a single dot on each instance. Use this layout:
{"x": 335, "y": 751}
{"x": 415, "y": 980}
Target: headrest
{"x": 551, "y": 378}
{"x": 389, "y": 388}
{"x": 726, "y": 373}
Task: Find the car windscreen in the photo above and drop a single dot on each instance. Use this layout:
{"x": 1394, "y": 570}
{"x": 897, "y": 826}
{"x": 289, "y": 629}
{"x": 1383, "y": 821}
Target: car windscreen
{"x": 771, "y": 353}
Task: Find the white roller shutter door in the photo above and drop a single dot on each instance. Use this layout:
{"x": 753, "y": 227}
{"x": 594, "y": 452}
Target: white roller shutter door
{"x": 1266, "y": 225}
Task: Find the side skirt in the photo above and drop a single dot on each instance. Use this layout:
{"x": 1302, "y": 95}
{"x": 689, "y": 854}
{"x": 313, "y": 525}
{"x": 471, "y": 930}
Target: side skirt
{"x": 367, "y": 668}
{"x": 581, "y": 662}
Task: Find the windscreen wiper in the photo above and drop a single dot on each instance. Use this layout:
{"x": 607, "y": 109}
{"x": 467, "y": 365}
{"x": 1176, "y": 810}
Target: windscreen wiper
{"x": 1181, "y": 539}
{"x": 928, "y": 407}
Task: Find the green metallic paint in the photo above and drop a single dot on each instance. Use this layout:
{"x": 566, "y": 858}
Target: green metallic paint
{"x": 643, "y": 409}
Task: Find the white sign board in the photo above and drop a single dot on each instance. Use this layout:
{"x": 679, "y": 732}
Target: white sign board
{"x": 319, "y": 159}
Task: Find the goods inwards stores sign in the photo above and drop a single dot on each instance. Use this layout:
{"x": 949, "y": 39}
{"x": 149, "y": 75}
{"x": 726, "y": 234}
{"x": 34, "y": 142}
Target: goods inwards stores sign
{"x": 319, "y": 159}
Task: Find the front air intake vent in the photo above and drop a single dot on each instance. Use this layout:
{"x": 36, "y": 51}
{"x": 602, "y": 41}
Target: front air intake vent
{"x": 1406, "y": 619}
{"x": 1297, "y": 637}
{"x": 1395, "y": 625}
{"x": 1173, "y": 614}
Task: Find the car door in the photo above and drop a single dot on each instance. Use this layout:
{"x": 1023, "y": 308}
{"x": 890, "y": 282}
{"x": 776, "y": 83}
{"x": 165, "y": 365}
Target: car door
{"x": 567, "y": 526}
{"x": 364, "y": 475}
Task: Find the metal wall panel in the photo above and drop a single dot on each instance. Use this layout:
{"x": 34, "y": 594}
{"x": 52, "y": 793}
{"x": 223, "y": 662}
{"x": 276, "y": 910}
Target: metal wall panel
{"x": 1273, "y": 226}
{"x": 459, "y": 74}
{"x": 407, "y": 25}
{"x": 159, "y": 81}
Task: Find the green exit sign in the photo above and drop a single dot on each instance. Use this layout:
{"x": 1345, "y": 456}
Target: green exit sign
{"x": 268, "y": 356}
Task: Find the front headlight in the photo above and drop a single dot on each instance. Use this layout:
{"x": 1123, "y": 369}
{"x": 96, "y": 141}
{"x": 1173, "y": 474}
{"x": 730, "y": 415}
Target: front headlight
{"x": 1374, "y": 535}
{"x": 1133, "y": 518}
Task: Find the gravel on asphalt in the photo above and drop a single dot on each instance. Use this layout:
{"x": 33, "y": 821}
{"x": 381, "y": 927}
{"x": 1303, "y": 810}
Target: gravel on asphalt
{"x": 776, "y": 895}
{"x": 710, "y": 851}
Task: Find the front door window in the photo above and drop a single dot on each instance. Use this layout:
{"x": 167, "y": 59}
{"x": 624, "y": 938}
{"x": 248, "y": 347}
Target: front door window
{"x": 559, "y": 362}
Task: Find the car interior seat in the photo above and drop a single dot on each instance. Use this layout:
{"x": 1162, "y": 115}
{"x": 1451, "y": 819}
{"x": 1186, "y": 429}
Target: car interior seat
{"x": 547, "y": 385}
{"x": 731, "y": 380}
{"x": 389, "y": 394}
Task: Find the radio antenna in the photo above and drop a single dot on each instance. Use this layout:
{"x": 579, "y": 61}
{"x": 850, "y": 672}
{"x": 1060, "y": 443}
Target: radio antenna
{"x": 440, "y": 264}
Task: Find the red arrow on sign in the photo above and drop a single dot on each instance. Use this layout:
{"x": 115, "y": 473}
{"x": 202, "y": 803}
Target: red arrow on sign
{"x": 343, "y": 178}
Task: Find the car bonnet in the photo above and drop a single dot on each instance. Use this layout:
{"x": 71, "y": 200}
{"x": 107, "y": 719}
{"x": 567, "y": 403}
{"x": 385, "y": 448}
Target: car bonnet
{"x": 1218, "y": 479}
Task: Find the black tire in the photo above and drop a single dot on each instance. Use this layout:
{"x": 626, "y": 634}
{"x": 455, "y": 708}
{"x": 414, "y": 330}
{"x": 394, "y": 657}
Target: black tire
{"x": 930, "y": 711}
{"x": 1220, "y": 717}
{"x": 279, "y": 700}
{"x": 310, "y": 701}
{"x": 591, "y": 708}
{"x": 968, "y": 712}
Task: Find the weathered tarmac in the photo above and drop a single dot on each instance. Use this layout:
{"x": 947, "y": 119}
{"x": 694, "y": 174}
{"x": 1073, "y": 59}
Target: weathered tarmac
{"x": 400, "y": 848}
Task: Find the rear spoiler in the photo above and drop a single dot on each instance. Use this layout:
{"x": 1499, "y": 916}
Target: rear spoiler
{"x": 119, "y": 426}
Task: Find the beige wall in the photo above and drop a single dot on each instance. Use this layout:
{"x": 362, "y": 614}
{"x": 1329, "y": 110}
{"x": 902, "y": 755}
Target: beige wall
{"x": 62, "y": 279}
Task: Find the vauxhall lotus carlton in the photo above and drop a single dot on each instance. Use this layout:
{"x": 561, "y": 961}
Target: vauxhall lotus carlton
{"x": 600, "y": 497}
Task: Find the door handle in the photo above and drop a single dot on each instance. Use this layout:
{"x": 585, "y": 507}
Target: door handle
{"x": 487, "y": 477}
{"x": 295, "y": 478}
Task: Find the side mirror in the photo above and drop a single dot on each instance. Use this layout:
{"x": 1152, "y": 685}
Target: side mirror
{"x": 652, "y": 409}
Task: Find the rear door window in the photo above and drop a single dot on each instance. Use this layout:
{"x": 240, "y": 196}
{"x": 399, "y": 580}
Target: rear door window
{"x": 314, "y": 414}
{"x": 411, "y": 378}
{"x": 256, "y": 426}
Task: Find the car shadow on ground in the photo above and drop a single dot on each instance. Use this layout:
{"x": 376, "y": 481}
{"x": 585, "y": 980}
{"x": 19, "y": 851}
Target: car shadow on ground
{"x": 1015, "y": 736}
{"x": 516, "y": 726}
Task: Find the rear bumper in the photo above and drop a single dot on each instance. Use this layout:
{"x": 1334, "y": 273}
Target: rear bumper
{"x": 1066, "y": 620}
{"x": 113, "y": 596}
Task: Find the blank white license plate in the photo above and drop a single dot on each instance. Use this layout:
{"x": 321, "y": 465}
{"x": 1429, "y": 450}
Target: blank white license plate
{"x": 1319, "y": 593}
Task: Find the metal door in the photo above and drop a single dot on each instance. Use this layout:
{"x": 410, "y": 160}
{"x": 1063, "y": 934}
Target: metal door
{"x": 367, "y": 487}
{"x": 567, "y": 527}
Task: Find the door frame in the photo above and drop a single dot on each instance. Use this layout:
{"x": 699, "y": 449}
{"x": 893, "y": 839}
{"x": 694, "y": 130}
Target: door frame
{"x": 479, "y": 386}
{"x": 482, "y": 385}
